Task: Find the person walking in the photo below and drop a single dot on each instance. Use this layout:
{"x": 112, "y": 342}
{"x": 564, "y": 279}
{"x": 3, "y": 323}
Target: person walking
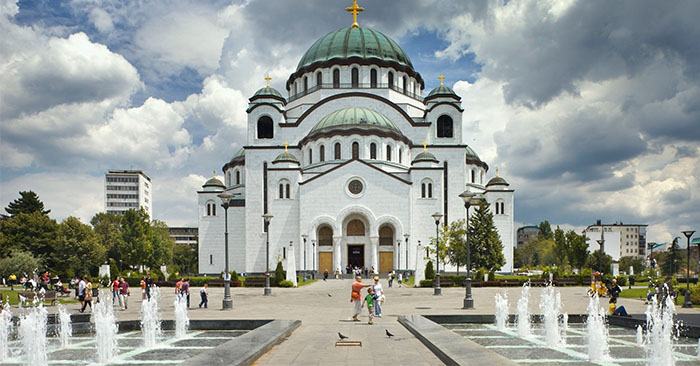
{"x": 185, "y": 290}
{"x": 369, "y": 300}
{"x": 80, "y": 291}
{"x": 142, "y": 284}
{"x": 379, "y": 295}
{"x": 203, "y": 294}
{"x": 115, "y": 292}
{"x": 400, "y": 279}
{"x": 356, "y": 297}
{"x": 325, "y": 275}
{"x": 149, "y": 284}
{"x": 123, "y": 293}
{"x": 88, "y": 295}
{"x": 391, "y": 278}
{"x": 13, "y": 280}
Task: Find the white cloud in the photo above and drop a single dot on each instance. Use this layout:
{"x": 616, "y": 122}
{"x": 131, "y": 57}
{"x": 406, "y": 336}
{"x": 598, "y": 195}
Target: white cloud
{"x": 101, "y": 20}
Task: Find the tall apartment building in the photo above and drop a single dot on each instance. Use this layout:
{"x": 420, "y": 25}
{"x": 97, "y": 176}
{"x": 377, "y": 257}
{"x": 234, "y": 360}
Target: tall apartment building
{"x": 128, "y": 189}
{"x": 185, "y": 235}
{"x": 621, "y": 240}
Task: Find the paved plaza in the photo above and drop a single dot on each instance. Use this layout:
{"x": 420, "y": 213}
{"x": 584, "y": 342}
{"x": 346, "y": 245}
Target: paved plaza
{"x": 324, "y": 309}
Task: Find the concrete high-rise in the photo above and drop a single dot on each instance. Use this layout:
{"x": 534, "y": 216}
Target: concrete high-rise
{"x": 128, "y": 189}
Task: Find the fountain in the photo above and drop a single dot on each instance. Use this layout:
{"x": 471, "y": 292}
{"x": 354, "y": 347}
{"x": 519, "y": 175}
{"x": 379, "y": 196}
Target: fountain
{"x": 550, "y": 305}
{"x": 524, "y": 326}
{"x": 150, "y": 319}
{"x": 660, "y": 327}
{"x": 596, "y": 332}
{"x": 65, "y": 330}
{"x": 105, "y": 331}
{"x": 5, "y": 330}
{"x": 32, "y": 334}
{"x": 564, "y": 327}
{"x": 182, "y": 321}
{"x": 640, "y": 336}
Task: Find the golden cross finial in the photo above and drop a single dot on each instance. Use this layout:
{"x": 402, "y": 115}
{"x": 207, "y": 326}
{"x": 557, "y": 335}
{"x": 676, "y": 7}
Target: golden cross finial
{"x": 441, "y": 77}
{"x": 285, "y": 146}
{"x": 267, "y": 79}
{"x": 425, "y": 145}
{"x": 354, "y": 10}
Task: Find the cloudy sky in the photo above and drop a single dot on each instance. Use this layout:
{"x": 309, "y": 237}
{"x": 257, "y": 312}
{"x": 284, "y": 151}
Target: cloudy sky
{"x": 591, "y": 109}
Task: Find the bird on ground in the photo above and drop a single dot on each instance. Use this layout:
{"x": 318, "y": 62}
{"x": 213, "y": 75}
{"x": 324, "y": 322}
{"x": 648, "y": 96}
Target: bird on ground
{"x": 342, "y": 336}
{"x": 388, "y": 334}
{"x": 329, "y": 295}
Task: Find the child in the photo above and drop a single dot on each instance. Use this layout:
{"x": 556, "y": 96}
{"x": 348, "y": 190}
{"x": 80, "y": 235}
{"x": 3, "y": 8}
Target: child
{"x": 203, "y": 295}
{"x": 369, "y": 300}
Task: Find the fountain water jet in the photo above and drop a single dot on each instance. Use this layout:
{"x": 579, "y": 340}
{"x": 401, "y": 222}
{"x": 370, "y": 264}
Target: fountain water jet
{"x": 182, "y": 320}
{"x": 32, "y": 334}
{"x": 640, "y": 336}
{"x": 524, "y": 326}
{"x": 564, "y": 327}
{"x": 660, "y": 327}
{"x": 5, "y": 330}
{"x": 150, "y": 319}
{"x": 501, "y": 311}
{"x": 65, "y": 331}
{"x": 596, "y": 332}
{"x": 105, "y": 331}
{"x": 550, "y": 304}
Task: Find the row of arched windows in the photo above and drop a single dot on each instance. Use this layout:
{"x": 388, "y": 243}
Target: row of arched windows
{"x": 426, "y": 189}
{"x": 211, "y": 209}
{"x": 354, "y": 151}
{"x": 284, "y": 190}
{"x": 236, "y": 178}
{"x": 355, "y": 81}
{"x": 500, "y": 208}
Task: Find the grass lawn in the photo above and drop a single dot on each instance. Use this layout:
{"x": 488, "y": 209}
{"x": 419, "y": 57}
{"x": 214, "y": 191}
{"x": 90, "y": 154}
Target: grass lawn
{"x": 634, "y": 293}
{"x": 307, "y": 282}
{"x": 13, "y": 297}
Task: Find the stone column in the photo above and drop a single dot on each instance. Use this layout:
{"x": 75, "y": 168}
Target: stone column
{"x": 337, "y": 250}
{"x": 420, "y": 265}
{"x": 374, "y": 250}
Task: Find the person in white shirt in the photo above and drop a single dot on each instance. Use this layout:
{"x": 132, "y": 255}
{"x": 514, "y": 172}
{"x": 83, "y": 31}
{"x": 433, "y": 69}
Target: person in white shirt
{"x": 378, "y": 296}
{"x": 81, "y": 291}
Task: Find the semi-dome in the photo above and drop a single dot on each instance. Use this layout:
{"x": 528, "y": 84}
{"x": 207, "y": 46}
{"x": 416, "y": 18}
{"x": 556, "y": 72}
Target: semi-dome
{"x": 214, "y": 182}
{"x": 354, "y": 117}
{"x": 285, "y": 157}
{"x": 497, "y": 181}
{"x": 425, "y": 156}
{"x": 442, "y": 91}
{"x": 237, "y": 159}
{"x": 268, "y": 92}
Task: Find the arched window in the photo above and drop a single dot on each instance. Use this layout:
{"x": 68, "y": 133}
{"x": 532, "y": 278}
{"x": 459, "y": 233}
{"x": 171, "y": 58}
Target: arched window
{"x": 238, "y": 177}
{"x": 295, "y": 88}
{"x": 355, "y": 77}
{"x": 426, "y": 189}
{"x": 287, "y": 190}
{"x": 473, "y": 175}
{"x": 388, "y": 153}
{"x": 391, "y": 79}
{"x": 422, "y": 190}
{"x": 281, "y": 190}
{"x": 444, "y": 126}
{"x": 386, "y": 235}
{"x": 336, "y": 149}
{"x": 373, "y": 78}
{"x": 481, "y": 178}
{"x": 373, "y": 151}
{"x": 325, "y": 236}
{"x": 228, "y": 179}
{"x": 211, "y": 208}
{"x": 319, "y": 78}
{"x": 284, "y": 252}
{"x": 322, "y": 153}
{"x": 399, "y": 153}
{"x": 336, "y": 78}
{"x": 355, "y": 150}
{"x": 405, "y": 84}
{"x": 356, "y": 228}
{"x": 265, "y": 127}
{"x": 430, "y": 190}
{"x": 311, "y": 156}
{"x": 306, "y": 84}
{"x": 284, "y": 189}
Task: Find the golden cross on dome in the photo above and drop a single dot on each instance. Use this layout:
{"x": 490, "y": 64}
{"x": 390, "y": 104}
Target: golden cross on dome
{"x": 285, "y": 146}
{"x": 354, "y": 10}
{"x": 441, "y": 77}
{"x": 425, "y": 145}
{"x": 267, "y": 79}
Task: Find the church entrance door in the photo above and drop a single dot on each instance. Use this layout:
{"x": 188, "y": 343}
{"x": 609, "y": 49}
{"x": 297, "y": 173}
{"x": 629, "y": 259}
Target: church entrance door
{"x": 356, "y": 256}
{"x": 386, "y": 262}
{"x": 325, "y": 262}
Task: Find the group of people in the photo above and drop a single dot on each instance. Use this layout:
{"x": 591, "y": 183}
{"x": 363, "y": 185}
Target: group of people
{"x": 374, "y": 299}
{"x": 357, "y": 271}
{"x": 120, "y": 292}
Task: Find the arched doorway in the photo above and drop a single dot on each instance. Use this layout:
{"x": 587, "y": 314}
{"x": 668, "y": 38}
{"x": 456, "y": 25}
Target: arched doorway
{"x": 386, "y": 248}
{"x": 324, "y": 235}
{"x": 356, "y": 233}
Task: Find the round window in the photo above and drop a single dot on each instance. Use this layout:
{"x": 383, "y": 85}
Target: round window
{"x": 355, "y": 186}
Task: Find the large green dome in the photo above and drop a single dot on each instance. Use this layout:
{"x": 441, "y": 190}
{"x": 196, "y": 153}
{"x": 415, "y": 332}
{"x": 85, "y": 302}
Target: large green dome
{"x": 351, "y": 42}
{"x": 354, "y": 117}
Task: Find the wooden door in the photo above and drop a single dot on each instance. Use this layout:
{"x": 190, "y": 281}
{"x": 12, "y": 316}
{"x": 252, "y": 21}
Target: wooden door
{"x": 325, "y": 262}
{"x": 386, "y": 262}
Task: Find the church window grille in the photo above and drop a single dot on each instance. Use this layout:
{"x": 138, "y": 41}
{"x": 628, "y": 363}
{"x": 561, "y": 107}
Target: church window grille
{"x": 337, "y": 151}
{"x": 386, "y": 235}
{"x": 238, "y": 177}
{"x": 355, "y": 77}
{"x": 336, "y": 78}
{"x": 399, "y": 153}
{"x": 311, "y": 156}
{"x": 444, "y": 126}
{"x": 388, "y": 153}
{"x": 373, "y": 78}
{"x": 322, "y": 153}
{"x": 286, "y": 190}
{"x": 355, "y": 150}
{"x": 373, "y": 151}
{"x": 319, "y": 78}
{"x": 405, "y": 84}
{"x": 265, "y": 127}
{"x": 325, "y": 236}
{"x": 306, "y": 84}
{"x": 422, "y": 190}
{"x": 391, "y": 79}
{"x": 211, "y": 259}
{"x": 281, "y": 191}
{"x": 284, "y": 252}
{"x": 473, "y": 175}
{"x": 430, "y": 190}
{"x": 356, "y": 228}
{"x": 211, "y": 209}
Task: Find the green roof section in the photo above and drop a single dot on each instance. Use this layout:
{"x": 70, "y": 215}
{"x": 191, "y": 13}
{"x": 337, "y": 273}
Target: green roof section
{"x": 497, "y": 181}
{"x": 354, "y": 117}
{"x": 425, "y": 156}
{"x": 285, "y": 157}
{"x": 471, "y": 153}
{"x": 441, "y": 90}
{"x": 214, "y": 182}
{"x": 268, "y": 91}
{"x": 350, "y": 42}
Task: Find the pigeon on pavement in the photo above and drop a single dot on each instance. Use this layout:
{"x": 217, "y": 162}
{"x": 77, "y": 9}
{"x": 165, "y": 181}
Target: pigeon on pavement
{"x": 342, "y": 336}
{"x": 388, "y": 334}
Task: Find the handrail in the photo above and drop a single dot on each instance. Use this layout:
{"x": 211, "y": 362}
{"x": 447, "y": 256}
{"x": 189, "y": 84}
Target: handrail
{"x": 394, "y": 87}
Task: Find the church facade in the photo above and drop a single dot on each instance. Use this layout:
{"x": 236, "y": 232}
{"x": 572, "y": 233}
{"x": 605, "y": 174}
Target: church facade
{"x": 351, "y": 165}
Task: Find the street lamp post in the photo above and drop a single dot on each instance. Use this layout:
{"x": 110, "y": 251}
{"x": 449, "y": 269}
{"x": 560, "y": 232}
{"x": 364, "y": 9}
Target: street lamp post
{"x": 436, "y": 285}
{"x": 303, "y": 237}
{"x": 398, "y": 252}
{"x": 406, "y": 236}
{"x": 225, "y": 203}
{"x": 268, "y": 291}
{"x": 688, "y": 303}
{"x": 601, "y": 242}
{"x": 469, "y": 198}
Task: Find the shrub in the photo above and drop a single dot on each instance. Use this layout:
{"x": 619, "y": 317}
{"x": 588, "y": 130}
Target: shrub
{"x": 19, "y": 262}
{"x": 285, "y": 283}
{"x": 426, "y": 283}
{"x": 279, "y": 274}
{"x": 429, "y": 272}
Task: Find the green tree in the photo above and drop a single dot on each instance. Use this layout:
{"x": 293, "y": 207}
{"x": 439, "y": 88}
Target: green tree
{"x": 17, "y": 263}
{"x": 561, "y": 249}
{"x": 599, "y": 261}
{"x": 453, "y": 234}
{"x": 136, "y": 245}
{"x": 577, "y": 249}
{"x": 536, "y": 252}
{"x": 671, "y": 263}
{"x": 185, "y": 257}
{"x": 279, "y": 273}
{"x": 545, "y": 230}
{"x": 107, "y": 227}
{"x": 632, "y": 261}
{"x": 429, "y": 271}
{"x": 486, "y": 246}
{"x": 31, "y": 232}
{"x": 28, "y": 202}
{"x": 78, "y": 249}
{"x": 161, "y": 245}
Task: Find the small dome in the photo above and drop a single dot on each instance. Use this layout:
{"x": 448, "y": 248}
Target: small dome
{"x": 354, "y": 117}
{"x": 497, "y": 181}
{"x": 285, "y": 157}
{"x": 268, "y": 92}
{"x": 214, "y": 182}
{"x": 442, "y": 91}
{"x": 471, "y": 154}
{"x": 237, "y": 159}
{"x": 425, "y": 156}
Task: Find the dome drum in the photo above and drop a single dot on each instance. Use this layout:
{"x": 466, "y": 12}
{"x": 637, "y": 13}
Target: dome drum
{"x": 355, "y": 121}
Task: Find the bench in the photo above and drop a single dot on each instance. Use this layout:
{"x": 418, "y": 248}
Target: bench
{"x": 47, "y": 296}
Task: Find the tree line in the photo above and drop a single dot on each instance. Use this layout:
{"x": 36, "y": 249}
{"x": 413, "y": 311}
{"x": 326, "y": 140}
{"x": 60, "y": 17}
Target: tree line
{"x": 30, "y": 240}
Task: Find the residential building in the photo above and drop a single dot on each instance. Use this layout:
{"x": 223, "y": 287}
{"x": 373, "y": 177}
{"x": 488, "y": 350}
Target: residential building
{"x": 128, "y": 189}
{"x": 621, "y": 240}
{"x": 185, "y": 235}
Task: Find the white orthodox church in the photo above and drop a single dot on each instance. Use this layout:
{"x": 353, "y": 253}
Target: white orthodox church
{"x": 351, "y": 165}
